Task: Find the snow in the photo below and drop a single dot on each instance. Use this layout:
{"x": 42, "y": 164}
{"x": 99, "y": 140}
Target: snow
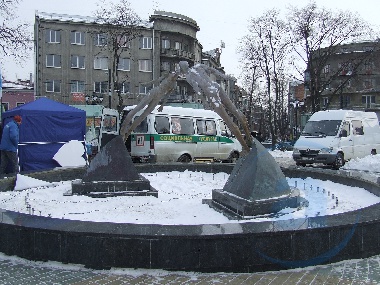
{"x": 180, "y": 198}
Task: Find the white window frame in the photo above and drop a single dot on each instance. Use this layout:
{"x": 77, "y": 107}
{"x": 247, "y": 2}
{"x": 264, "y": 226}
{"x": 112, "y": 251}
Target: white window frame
{"x": 124, "y": 41}
{"x": 77, "y": 38}
{"x": 55, "y": 60}
{"x": 165, "y": 44}
{"x": 53, "y": 36}
{"x": 124, "y": 64}
{"x": 178, "y": 46}
{"x": 145, "y": 65}
{"x": 143, "y": 89}
{"x": 146, "y": 43}
{"x": 101, "y": 87}
{"x": 53, "y": 86}
{"x": 79, "y": 61}
{"x": 124, "y": 88}
{"x": 77, "y": 86}
{"x": 100, "y": 40}
{"x": 101, "y": 63}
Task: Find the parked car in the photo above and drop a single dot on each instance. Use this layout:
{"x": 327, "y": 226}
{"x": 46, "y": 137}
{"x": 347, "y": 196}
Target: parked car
{"x": 285, "y": 146}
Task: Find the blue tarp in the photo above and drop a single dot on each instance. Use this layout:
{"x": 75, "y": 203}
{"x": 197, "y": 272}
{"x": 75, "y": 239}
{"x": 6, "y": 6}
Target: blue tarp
{"x": 46, "y": 126}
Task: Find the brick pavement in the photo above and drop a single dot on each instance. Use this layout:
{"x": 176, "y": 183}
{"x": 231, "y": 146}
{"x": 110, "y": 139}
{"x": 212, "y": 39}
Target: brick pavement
{"x": 17, "y": 271}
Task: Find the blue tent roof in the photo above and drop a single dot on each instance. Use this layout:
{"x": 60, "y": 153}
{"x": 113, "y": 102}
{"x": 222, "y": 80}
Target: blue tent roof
{"x": 46, "y": 126}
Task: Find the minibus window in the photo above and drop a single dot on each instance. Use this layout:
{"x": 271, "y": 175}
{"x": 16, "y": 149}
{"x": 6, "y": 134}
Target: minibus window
{"x": 357, "y": 128}
{"x": 109, "y": 123}
{"x": 206, "y": 127}
{"x": 224, "y": 130}
{"x": 142, "y": 127}
{"x": 182, "y": 126}
{"x": 162, "y": 125}
{"x": 321, "y": 128}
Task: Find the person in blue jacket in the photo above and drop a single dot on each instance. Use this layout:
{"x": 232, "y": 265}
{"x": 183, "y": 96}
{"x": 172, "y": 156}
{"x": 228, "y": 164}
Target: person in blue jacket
{"x": 9, "y": 145}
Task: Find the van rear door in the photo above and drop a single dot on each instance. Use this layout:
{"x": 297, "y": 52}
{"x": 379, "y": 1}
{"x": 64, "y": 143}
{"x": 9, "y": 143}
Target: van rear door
{"x": 109, "y": 126}
{"x": 346, "y": 140}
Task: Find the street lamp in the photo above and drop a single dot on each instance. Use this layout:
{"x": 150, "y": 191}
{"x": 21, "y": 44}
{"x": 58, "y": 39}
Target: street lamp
{"x": 296, "y": 104}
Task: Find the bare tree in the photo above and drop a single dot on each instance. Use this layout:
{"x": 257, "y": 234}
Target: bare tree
{"x": 267, "y": 46}
{"x": 317, "y": 34}
{"x": 120, "y": 25}
{"x": 15, "y": 40}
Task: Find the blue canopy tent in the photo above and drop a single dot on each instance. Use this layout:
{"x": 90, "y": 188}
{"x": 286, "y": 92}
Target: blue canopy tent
{"x": 46, "y": 126}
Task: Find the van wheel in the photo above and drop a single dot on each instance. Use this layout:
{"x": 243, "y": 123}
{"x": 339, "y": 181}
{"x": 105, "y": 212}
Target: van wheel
{"x": 184, "y": 158}
{"x": 233, "y": 157}
{"x": 339, "y": 161}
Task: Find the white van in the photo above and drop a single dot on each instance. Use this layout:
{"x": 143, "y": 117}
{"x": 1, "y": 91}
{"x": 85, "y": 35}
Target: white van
{"x": 335, "y": 136}
{"x": 182, "y": 135}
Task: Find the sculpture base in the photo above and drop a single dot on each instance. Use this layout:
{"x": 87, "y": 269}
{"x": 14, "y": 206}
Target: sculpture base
{"x": 104, "y": 189}
{"x": 236, "y": 207}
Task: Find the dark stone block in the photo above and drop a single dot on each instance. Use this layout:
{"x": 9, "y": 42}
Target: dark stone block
{"x": 242, "y": 208}
{"x": 257, "y": 176}
{"x": 112, "y": 163}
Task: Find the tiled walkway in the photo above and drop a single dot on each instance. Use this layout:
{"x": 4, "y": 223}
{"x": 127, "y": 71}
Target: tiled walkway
{"x": 18, "y": 271}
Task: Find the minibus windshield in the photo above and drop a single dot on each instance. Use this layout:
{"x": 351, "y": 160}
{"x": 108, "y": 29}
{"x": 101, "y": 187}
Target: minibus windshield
{"x": 321, "y": 128}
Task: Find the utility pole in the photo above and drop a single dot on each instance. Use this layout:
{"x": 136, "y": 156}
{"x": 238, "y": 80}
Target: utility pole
{"x": 109, "y": 89}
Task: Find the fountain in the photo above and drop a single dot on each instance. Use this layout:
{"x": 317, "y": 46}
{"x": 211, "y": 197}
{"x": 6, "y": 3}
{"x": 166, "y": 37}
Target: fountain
{"x": 256, "y": 186}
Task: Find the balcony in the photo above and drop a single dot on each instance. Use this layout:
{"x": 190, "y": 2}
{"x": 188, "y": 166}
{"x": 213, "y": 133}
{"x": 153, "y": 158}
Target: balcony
{"x": 177, "y": 53}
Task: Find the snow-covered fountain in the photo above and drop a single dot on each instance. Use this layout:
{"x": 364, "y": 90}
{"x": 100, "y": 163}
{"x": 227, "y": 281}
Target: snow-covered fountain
{"x": 256, "y": 186}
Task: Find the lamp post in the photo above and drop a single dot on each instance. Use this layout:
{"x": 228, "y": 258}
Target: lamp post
{"x": 296, "y": 104}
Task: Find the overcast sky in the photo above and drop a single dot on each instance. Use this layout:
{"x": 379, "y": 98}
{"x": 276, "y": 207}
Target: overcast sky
{"x": 219, "y": 20}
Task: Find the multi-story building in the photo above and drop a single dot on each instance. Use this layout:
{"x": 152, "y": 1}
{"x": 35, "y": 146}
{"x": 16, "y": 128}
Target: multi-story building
{"x": 72, "y": 67}
{"x": 351, "y": 77}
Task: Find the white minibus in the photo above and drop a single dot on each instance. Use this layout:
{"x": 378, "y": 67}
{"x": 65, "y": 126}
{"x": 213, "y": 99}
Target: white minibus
{"x": 335, "y": 136}
{"x": 179, "y": 134}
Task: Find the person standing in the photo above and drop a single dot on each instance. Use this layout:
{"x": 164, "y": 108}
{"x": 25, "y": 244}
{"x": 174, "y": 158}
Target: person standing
{"x": 9, "y": 145}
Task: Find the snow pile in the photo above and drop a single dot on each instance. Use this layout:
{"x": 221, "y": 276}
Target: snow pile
{"x": 370, "y": 163}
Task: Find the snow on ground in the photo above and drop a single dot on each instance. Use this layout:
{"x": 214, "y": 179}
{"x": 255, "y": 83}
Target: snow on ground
{"x": 180, "y": 199}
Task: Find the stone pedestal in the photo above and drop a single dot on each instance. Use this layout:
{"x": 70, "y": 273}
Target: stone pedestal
{"x": 112, "y": 173}
{"x": 256, "y": 186}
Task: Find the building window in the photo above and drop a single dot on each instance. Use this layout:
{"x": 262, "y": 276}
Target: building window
{"x": 367, "y": 100}
{"x": 178, "y": 46}
{"x": 145, "y": 65}
{"x": 165, "y": 66}
{"x": 18, "y": 104}
{"x": 77, "y": 38}
{"x": 77, "y": 61}
{"x": 53, "y": 36}
{"x": 346, "y": 68}
{"x": 124, "y": 41}
{"x": 124, "y": 88}
{"x": 124, "y": 64}
{"x": 101, "y": 63}
{"x": 53, "y": 60}
{"x": 345, "y": 101}
{"x": 100, "y": 40}
{"x": 146, "y": 43}
{"x": 368, "y": 48}
{"x": 368, "y": 65}
{"x": 325, "y": 101}
{"x": 165, "y": 44}
{"x": 143, "y": 89}
{"x": 5, "y": 106}
{"x": 368, "y": 83}
{"x": 101, "y": 87}
{"x": 53, "y": 86}
{"x": 77, "y": 86}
